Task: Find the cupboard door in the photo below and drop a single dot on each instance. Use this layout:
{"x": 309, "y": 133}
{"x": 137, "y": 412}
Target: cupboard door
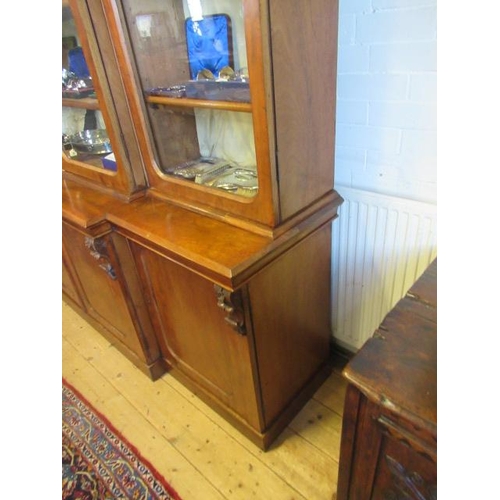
{"x": 103, "y": 291}
{"x": 68, "y": 285}
{"x": 195, "y": 336}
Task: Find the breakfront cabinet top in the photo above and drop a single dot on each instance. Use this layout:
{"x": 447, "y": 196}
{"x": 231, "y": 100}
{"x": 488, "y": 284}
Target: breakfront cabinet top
{"x": 397, "y": 367}
{"x": 84, "y": 206}
{"x": 227, "y": 108}
{"x": 224, "y": 253}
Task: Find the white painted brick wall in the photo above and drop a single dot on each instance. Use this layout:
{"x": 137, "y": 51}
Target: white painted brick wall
{"x": 386, "y": 97}
{"x": 385, "y": 158}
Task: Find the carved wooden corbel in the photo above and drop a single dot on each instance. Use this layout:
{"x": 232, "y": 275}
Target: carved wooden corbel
{"x": 232, "y": 304}
{"x": 98, "y": 250}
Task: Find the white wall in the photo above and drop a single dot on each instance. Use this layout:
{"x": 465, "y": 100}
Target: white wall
{"x": 385, "y": 141}
{"x": 386, "y": 116}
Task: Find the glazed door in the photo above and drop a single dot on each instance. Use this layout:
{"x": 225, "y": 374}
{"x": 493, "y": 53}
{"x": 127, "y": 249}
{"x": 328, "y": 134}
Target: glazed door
{"x": 98, "y": 142}
{"x": 198, "y": 71}
{"x": 197, "y": 333}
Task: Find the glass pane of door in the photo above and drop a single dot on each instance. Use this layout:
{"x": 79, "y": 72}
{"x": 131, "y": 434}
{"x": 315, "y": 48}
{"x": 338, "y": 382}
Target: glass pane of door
{"x": 84, "y": 135}
{"x": 191, "y": 61}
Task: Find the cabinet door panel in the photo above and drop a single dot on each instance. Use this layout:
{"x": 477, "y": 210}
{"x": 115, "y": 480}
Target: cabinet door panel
{"x": 68, "y": 286}
{"x": 194, "y": 335}
{"x": 103, "y": 291}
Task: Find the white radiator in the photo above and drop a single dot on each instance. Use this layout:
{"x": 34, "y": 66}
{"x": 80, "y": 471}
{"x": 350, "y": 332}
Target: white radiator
{"x": 381, "y": 246}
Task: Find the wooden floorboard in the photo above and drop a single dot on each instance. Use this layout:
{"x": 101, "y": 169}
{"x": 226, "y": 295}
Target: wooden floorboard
{"x": 197, "y": 451}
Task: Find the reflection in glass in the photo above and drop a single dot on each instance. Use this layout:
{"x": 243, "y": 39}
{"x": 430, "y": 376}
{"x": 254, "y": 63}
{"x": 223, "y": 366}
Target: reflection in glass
{"x": 192, "y": 66}
{"x": 84, "y": 136}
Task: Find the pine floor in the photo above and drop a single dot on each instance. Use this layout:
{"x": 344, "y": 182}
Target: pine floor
{"x": 200, "y": 454}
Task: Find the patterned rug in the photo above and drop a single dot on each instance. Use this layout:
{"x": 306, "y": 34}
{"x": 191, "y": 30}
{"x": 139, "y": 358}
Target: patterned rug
{"x": 98, "y": 463}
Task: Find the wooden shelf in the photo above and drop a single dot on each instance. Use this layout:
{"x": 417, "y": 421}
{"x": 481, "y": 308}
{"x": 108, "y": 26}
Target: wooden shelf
{"x": 183, "y": 102}
{"x": 84, "y": 103}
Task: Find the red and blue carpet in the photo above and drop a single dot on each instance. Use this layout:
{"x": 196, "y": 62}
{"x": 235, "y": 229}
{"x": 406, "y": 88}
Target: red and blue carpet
{"x": 98, "y": 463}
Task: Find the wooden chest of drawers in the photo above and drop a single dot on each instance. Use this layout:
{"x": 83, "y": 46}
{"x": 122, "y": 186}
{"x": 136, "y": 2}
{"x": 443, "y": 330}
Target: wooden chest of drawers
{"x": 389, "y": 432}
